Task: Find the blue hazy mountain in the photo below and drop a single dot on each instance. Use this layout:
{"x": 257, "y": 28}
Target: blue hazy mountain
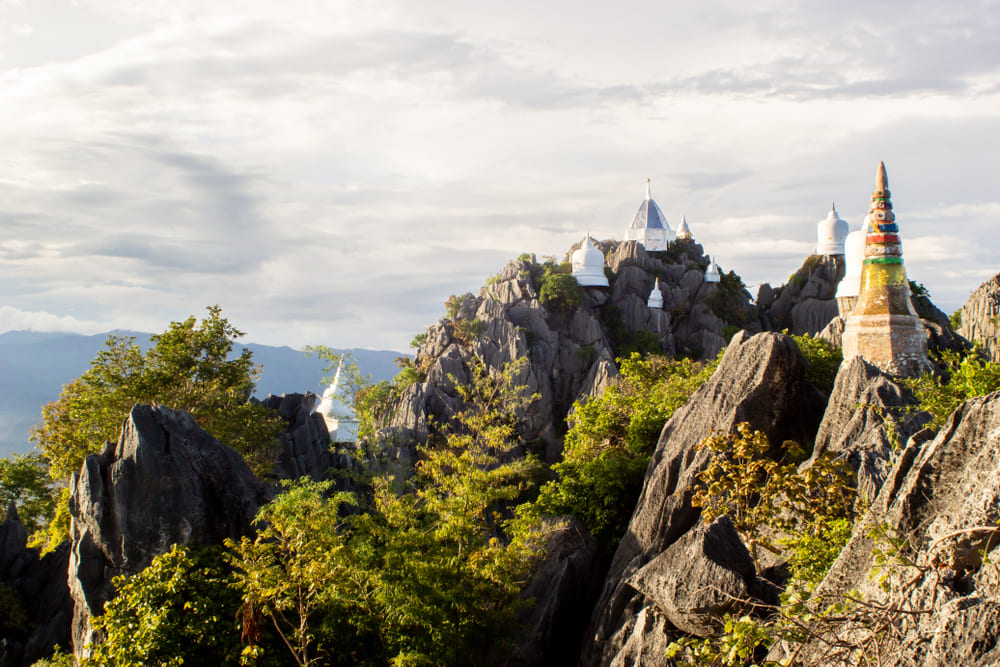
{"x": 35, "y": 365}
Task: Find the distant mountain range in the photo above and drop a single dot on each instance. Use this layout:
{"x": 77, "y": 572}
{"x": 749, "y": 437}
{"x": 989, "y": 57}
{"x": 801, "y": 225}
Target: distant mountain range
{"x": 35, "y": 365}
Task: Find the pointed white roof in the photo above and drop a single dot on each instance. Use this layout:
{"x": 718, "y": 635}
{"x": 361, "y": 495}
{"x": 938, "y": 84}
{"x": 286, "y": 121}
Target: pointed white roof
{"x": 649, "y": 215}
{"x": 831, "y": 232}
{"x": 655, "y": 299}
{"x": 712, "y": 272}
{"x": 684, "y": 232}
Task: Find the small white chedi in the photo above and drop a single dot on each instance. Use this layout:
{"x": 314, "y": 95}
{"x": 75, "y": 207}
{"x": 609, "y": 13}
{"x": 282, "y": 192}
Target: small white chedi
{"x": 588, "y": 265}
{"x": 712, "y": 272}
{"x": 831, "y": 232}
{"x": 684, "y": 232}
{"x": 655, "y": 299}
{"x": 649, "y": 226}
{"x": 339, "y": 417}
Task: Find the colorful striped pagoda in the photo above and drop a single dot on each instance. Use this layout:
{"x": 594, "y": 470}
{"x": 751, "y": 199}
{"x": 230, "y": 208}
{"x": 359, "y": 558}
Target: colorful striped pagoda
{"x": 883, "y": 328}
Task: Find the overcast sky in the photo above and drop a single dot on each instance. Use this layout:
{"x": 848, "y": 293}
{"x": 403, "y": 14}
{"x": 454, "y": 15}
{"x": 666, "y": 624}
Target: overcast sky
{"x": 329, "y": 172}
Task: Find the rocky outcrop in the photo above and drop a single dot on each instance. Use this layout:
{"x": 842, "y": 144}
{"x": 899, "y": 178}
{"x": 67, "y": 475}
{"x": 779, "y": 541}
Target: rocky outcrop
{"x": 36, "y": 609}
{"x": 557, "y": 599}
{"x": 760, "y": 380}
{"x": 981, "y": 318}
{"x": 699, "y": 578}
{"x": 570, "y": 349}
{"x": 807, "y": 302}
{"x": 940, "y": 594}
{"x": 305, "y": 444}
{"x": 166, "y": 481}
{"x": 870, "y": 416}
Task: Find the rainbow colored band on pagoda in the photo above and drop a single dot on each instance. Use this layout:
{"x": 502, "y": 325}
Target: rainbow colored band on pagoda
{"x": 886, "y": 227}
{"x": 883, "y": 260}
{"x": 882, "y": 238}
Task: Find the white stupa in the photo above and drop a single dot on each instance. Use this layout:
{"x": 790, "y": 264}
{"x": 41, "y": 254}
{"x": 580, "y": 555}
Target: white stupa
{"x": 588, "y": 265}
{"x": 649, "y": 226}
{"x": 339, "y": 417}
{"x": 655, "y": 299}
{"x": 831, "y": 234}
{"x": 712, "y": 272}
{"x": 854, "y": 257}
{"x": 684, "y": 232}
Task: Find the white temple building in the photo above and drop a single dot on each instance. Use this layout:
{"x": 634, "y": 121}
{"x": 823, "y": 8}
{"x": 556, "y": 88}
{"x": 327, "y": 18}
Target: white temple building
{"x": 588, "y": 265}
{"x": 684, "y": 232}
{"x": 339, "y": 417}
{"x": 831, "y": 234}
{"x": 712, "y": 272}
{"x": 655, "y": 299}
{"x": 854, "y": 257}
{"x": 649, "y": 226}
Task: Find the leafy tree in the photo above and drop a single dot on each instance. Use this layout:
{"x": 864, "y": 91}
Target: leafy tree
{"x": 610, "y": 440}
{"x": 759, "y": 492}
{"x": 428, "y": 574}
{"x": 964, "y": 378}
{"x": 824, "y": 361}
{"x": 187, "y": 368}
{"x": 558, "y": 289}
{"x": 25, "y": 480}
{"x": 181, "y": 610}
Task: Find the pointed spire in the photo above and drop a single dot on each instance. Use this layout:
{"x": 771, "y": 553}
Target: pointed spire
{"x": 649, "y": 192}
{"x": 881, "y": 180}
{"x": 833, "y": 208}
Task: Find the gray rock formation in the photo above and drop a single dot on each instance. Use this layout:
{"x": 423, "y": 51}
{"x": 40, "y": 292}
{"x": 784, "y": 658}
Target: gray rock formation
{"x": 981, "y": 318}
{"x": 558, "y": 598}
{"x": 166, "y": 481}
{"x": 38, "y": 587}
{"x": 760, "y": 380}
{"x": 305, "y": 445}
{"x": 869, "y": 417}
{"x": 941, "y": 498}
{"x": 807, "y": 302}
{"x": 571, "y": 352}
{"x": 699, "y": 578}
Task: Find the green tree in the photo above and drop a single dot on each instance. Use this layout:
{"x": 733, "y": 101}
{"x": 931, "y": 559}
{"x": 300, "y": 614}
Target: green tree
{"x": 823, "y": 361}
{"x": 181, "y": 610}
{"x": 187, "y": 368}
{"x": 964, "y": 378}
{"x": 610, "y": 440}
{"x": 25, "y": 480}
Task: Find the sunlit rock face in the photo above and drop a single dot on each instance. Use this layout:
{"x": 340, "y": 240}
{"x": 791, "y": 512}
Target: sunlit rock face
{"x": 883, "y": 328}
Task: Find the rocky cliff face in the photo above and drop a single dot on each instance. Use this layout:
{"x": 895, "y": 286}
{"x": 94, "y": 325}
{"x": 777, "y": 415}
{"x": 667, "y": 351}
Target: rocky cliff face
{"x": 166, "y": 481}
{"x": 939, "y": 607}
{"x": 37, "y": 608}
{"x": 807, "y": 302}
{"x": 570, "y": 344}
{"x": 981, "y": 318}
{"x": 760, "y": 380}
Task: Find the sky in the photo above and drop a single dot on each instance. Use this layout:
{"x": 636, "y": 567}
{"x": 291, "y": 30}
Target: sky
{"x": 329, "y": 172}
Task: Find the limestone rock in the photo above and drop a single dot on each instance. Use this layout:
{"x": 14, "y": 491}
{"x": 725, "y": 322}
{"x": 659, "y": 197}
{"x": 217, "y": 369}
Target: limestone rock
{"x": 557, "y": 597}
{"x": 807, "y": 302}
{"x": 941, "y": 496}
{"x": 980, "y": 317}
{"x": 699, "y": 578}
{"x": 868, "y": 417}
{"x": 760, "y": 380}
{"x": 305, "y": 450}
{"x": 166, "y": 481}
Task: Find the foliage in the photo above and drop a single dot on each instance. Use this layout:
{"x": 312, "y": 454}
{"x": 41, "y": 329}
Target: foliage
{"x": 823, "y": 361}
{"x": 187, "y": 368}
{"x": 956, "y": 319}
{"x": 727, "y": 300}
{"x": 918, "y": 290}
{"x": 759, "y": 492}
{"x": 182, "y": 609}
{"x": 558, "y": 289}
{"x": 25, "y": 480}
{"x": 965, "y": 378}
{"x": 295, "y": 569}
{"x": 57, "y": 659}
{"x": 610, "y": 440}
{"x": 466, "y": 331}
{"x": 453, "y": 305}
{"x": 418, "y": 340}
{"x": 427, "y": 575}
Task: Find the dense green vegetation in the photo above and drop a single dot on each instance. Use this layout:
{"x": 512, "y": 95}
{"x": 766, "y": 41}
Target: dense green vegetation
{"x": 962, "y": 379}
{"x": 187, "y": 368}
{"x": 25, "y": 481}
{"x": 424, "y": 571}
{"x": 610, "y": 440}
{"x": 823, "y": 361}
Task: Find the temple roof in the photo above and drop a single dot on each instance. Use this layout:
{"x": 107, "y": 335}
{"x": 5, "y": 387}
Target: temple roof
{"x": 649, "y": 214}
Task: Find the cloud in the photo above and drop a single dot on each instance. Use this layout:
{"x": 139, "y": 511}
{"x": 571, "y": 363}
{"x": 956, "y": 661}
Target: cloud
{"x": 14, "y": 319}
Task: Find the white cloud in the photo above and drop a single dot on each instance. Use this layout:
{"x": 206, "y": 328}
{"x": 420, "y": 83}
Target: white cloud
{"x": 14, "y": 319}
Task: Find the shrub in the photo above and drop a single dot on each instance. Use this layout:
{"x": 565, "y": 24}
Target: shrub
{"x": 964, "y": 378}
{"x": 823, "y": 361}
